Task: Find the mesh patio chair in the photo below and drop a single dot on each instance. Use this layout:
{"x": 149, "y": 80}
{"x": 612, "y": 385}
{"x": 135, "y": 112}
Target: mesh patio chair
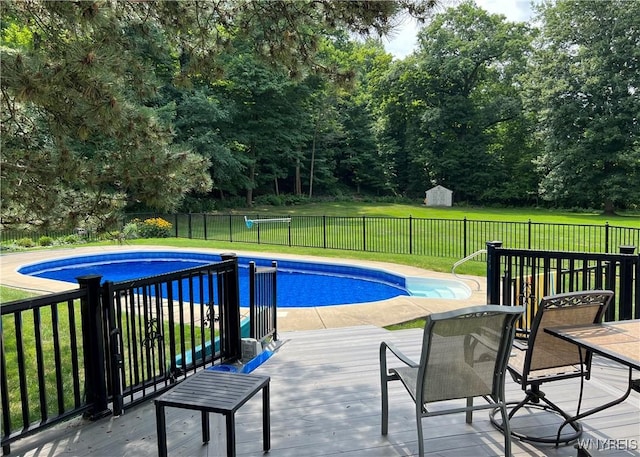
{"x": 543, "y": 358}
{"x": 464, "y": 355}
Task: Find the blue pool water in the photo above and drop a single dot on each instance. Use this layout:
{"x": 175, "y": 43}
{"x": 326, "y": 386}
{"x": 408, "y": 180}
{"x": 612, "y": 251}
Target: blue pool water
{"x": 300, "y": 284}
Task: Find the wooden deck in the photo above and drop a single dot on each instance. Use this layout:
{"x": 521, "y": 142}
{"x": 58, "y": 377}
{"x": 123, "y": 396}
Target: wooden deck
{"x": 325, "y": 400}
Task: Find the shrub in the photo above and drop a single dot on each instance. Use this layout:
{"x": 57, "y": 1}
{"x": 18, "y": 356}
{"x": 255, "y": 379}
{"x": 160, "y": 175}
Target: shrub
{"x": 45, "y": 241}
{"x": 155, "y": 228}
{"x": 268, "y": 200}
{"x": 25, "y": 243}
{"x": 70, "y": 239}
{"x": 131, "y": 230}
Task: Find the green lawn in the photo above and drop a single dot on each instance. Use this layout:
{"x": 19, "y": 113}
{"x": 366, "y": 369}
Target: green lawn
{"x": 8, "y": 294}
{"x": 350, "y": 209}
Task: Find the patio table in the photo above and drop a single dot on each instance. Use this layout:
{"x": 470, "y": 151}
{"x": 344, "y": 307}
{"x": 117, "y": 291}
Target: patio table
{"x": 617, "y": 341}
{"x": 219, "y": 392}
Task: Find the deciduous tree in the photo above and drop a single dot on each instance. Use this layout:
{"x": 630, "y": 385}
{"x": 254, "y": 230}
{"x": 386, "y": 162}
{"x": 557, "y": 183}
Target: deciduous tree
{"x": 586, "y": 82}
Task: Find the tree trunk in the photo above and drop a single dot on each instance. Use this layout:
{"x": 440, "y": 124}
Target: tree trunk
{"x": 298, "y": 179}
{"x": 275, "y": 186}
{"x": 313, "y": 159}
{"x": 609, "y": 207}
{"x": 252, "y": 175}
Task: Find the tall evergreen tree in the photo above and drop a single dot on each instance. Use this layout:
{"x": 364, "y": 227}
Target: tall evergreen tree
{"x": 82, "y": 135}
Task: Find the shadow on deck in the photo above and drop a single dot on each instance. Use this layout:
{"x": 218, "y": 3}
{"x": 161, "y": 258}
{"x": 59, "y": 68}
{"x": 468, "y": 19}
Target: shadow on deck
{"x": 325, "y": 400}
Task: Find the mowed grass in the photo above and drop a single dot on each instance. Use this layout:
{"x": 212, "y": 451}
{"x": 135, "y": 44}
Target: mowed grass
{"x": 8, "y": 294}
{"x": 538, "y": 215}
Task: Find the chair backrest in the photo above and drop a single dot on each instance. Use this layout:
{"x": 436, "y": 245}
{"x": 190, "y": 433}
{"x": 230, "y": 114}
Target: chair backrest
{"x": 545, "y": 351}
{"x": 465, "y": 352}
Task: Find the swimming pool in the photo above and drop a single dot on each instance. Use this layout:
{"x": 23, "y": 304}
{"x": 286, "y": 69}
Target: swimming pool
{"x": 300, "y": 283}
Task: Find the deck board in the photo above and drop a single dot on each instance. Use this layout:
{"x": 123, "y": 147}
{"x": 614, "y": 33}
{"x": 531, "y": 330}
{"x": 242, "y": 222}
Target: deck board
{"x": 325, "y": 400}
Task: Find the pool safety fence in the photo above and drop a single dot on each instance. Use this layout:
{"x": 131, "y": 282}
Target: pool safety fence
{"x": 456, "y": 238}
{"x": 103, "y": 348}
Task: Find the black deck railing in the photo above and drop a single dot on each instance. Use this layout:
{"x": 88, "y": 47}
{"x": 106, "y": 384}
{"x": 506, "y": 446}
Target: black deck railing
{"x": 43, "y": 362}
{"x": 262, "y": 301}
{"x": 522, "y": 277}
{"x": 117, "y": 344}
{"x": 162, "y": 328}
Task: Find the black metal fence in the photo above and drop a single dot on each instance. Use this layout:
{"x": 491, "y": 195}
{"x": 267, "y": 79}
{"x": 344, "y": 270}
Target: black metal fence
{"x": 522, "y": 277}
{"x": 120, "y": 343}
{"x": 263, "y": 299}
{"x": 454, "y": 238}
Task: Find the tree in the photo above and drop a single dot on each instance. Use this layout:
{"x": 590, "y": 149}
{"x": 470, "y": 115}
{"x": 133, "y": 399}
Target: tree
{"x": 268, "y": 123}
{"x": 585, "y": 84}
{"x": 359, "y": 162}
{"x": 469, "y": 60}
{"x": 447, "y": 108}
{"x": 78, "y": 144}
{"x": 82, "y": 135}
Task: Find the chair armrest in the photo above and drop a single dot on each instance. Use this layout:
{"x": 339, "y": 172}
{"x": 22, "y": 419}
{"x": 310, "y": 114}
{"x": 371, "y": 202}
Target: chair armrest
{"x": 395, "y": 351}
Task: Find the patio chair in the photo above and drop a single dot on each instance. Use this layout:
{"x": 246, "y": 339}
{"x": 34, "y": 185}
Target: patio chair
{"x": 543, "y": 358}
{"x": 464, "y": 355}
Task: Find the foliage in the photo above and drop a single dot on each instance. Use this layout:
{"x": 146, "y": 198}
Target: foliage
{"x": 202, "y": 106}
{"x": 443, "y": 110}
{"x": 154, "y": 228}
{"x": 45, "y": 241}
{"x": 71, "y": 239}
{"x": 88, "y": 129}
{"x": 131, "y": 230}
{"x": 584, "y": 86}
{"x": 25, "y": 243}
{"x": 78, "y": 144}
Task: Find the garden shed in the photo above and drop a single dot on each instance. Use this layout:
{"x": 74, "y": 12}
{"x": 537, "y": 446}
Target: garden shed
{"x": 438, "y": 196}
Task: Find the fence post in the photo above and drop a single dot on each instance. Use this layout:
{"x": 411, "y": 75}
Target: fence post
{"x": 464, "y": 237}
{"x": 493, "y": 272}
{"x": 175, "y": 223}
{"x": 232, "y": 304}
{"x": 189, "y": 227}
{"x": 625, "y": 301}
{"x": 606, "y": 237}
{"x": 230, "y": 228}
{"x": 410, "y": 234}
{"x": 257, "y": 228}
{"x": 274, "y": 299}
{"x": 204, "y": 225}
{"x": 253, "y": 317}
{"x": 529, "y": 234}
{"x": 324, "y": 231}
{"x": 364, "y": 233}
{"x": 94, "y": 349}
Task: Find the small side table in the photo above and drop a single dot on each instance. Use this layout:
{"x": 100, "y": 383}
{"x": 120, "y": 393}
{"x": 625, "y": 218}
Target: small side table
{"x": 219, "y": 392}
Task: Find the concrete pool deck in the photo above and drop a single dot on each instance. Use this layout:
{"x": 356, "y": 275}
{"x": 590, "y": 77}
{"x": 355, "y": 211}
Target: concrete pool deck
{"x": 380, "y": 313}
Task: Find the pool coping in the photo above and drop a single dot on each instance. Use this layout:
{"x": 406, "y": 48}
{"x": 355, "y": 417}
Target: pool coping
{"x": 380, "y": 313}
